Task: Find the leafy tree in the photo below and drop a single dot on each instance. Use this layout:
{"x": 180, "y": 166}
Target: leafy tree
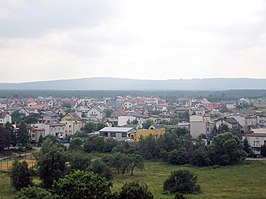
{"x": 178, "y": 157}
{"x": 20, "y": 175}
{"x": 16, "y": 117}
{"x": 34, "y": 193}
{"x": 263, "y": 150}
{"x": 247, "y": 148}
{"x": 82, "y": 184}
{"x": 79, "y": 161}
{"x": 147, "y": 124}
{"x": 181, "y": 181}
{"x": 10, "y": 135}
{"x": 75, "y": 144}
{"x": 89, "y": 127}
{"x": 40, "y": 141}
{"x": 135, "y": 161}
{"x": 135, "y": 190}
{"x": 200, "y": 157}
{"x": 227, "y": 149}
{"x": 51, "y": 161}
{"x": 118, "y": 161}
{"x": 107, "y": 112}
{"x": 23, "y": 137}
{"x": 3, "y": 139}
{"x": 100, "y": 168}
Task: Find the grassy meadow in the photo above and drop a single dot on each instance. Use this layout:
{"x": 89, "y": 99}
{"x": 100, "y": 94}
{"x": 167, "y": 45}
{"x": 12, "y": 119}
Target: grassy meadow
{"x": 244, "y": 181}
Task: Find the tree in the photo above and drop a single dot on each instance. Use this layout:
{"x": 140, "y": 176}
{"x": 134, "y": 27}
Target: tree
{"x": 263, "y": 150}
{"x": 20, "y": 175}
{"x": 51, "y": 161}
{"x": 79, "y": 161}
{"x": 34, "y": 193}
{"x": 75, "y": 144}
{"x": 3, "y": 139}
{"x": 247, "y": 148}
{"x": 100, "y": 168}
{"x": 200, "y": 157}
{"x": 89, "y": 127}
{"x": 135, "y": 161}
{"x": 107, "y": 112}
{"x": 23, "y": 137}
{"x": 82, "y": 184}
{"x": 10, "y": 135}
{"x": 227, "y": 148}
{"x": 178, "y": 157}
{"x": 135, "y": 190}
{"x": 147, "y": 124}
{"x": 181, "y": 181}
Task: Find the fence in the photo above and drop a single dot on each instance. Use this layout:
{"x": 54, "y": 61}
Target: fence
{"x": 6, "y": 163}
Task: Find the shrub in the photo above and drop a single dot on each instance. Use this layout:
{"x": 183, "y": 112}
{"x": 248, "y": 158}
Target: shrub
{"x": 181, "y": 181}
{"x": 134, "y": 190}
{"x": 100, "y": 168}
{"x": 82, "y": 184}
{"x": 34, "y": 193}
{"x": 20, "y": 175}
{"x": 178, "y": 157}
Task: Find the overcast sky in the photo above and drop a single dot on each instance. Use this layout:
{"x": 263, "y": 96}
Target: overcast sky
{"x": 140, "y": 39}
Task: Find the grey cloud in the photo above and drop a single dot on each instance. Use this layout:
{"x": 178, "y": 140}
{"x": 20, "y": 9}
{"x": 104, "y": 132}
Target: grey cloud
{"x": 38, "y": 17}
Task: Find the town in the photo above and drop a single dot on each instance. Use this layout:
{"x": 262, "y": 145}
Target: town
{"x": 127, "y": 118}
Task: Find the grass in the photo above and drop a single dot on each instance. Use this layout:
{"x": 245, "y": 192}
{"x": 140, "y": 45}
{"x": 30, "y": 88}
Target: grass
{"x": 244, "y": 181}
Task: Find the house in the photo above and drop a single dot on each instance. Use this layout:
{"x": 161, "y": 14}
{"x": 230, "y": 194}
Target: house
{"x": 135, "y": 136}
{"x": 35, "y": 134}
{"x": 24, "y": 111}
{"x": 231, "y": 122}
{"x": 48, "y": 117}
{"x": 95, "y": 113}
{"x": 5, "y": 117}
{"x": 117, "y": 133}
{"x": 54, "y": 129}
{"x": 256, "y": 139}
{"x": 200, "y": 125}
{"x": 73, "y": 123}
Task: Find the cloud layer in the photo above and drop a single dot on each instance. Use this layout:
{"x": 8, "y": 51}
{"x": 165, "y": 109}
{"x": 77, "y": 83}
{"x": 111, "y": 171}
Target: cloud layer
{"x": 45, "y": 39}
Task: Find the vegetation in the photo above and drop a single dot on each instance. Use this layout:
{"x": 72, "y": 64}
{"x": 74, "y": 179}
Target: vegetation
{"x": 135, "y": 190}
{"x": 20, "y": 175}
{"x": 51, "y": 161}
{"x": 82, "y": 184}
{"x": 181, "y": 181}
{"x": 34, "y": 193}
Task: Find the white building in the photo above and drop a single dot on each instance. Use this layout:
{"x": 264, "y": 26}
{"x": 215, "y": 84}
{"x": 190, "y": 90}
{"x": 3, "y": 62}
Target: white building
{"x": 256, "y": 139}
{"x": 200, "y": 125}
{"x": 5, "y": 117}
{"x": 117, "y": 133}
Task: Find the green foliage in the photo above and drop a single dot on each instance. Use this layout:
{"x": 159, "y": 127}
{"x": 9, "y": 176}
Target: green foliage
{"x": 247, "y": 148}
{"x": 263, "y": 150}
{"x": 75, "y": 144}
{"x": 147, "y": 124}
{"x": 23, "y": 137}
{"x": 178, "y": 157}
{"x": 34, "y": 193}
{"x": 92, "y": 126}
{"x": 20, "y": 175}
{"x": 227, "y": 149}
{"x": 200, "y": 157}
{"x": 82, "y": 184}
{"x": 135, "y": 190}
{"x": 79, "y": 161}
{"x": 181, "y": 181}
{"x": 100, "y": 144}
{"x": 3, "y": 139}
{"x": 51, "y": 161}
{"x": 100, "y": 168}
{"x": 107, "y": 112}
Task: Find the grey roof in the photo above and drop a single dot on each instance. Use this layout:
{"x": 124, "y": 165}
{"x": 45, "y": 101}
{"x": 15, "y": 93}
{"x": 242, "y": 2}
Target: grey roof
{"x": 116, "y": 129}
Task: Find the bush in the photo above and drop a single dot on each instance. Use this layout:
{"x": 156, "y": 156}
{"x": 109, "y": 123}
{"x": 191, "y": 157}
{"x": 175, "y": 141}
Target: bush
{"x": 200, "y": 158}
{"x": 34, "y": 193}
{"x": 181, "y": 181}
{"x": 100, "y": 168}
{"x": 82, "y": 184}
{"x": 134, "y": 190}
{"x": 79, "y": 161}
{"x": 75, "y": 144}
{"x": 178, "y": 157}
{"x": 20, "y": 175}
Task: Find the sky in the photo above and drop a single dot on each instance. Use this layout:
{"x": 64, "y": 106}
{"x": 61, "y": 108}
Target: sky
{"x": 137, "y": 39}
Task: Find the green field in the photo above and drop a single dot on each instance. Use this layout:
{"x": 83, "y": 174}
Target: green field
{"x": 245, "y": 181}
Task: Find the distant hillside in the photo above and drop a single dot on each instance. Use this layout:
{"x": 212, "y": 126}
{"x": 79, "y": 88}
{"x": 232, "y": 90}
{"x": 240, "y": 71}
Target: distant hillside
{"x": 107, "y": 83}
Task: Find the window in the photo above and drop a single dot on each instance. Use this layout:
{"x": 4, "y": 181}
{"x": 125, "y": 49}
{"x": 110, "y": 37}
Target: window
{"x": 113, "y": 135}
{"x": 124, "y": 135}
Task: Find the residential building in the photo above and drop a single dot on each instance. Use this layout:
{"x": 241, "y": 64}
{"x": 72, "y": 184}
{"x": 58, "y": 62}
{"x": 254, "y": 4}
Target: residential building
{"x": 135, "y": 136}
{"x": 48, "y": 117}
{"x": 256, "y": 139}
{"x": 5, "y": 117}
{"x": 117, "y": 133}
{"x": 200, "y": 125}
